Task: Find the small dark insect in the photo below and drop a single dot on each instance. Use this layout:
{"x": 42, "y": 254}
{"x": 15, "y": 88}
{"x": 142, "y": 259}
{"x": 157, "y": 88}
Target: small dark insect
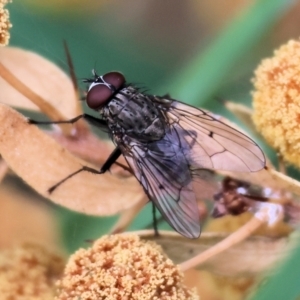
{"x": 237, "y": 197}
{"x": 167, "y": 144}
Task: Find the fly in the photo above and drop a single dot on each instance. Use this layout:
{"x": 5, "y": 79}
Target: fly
{"x": 167, "y": 144}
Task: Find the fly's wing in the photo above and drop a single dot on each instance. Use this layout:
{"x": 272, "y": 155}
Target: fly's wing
{"x": 163, "y": 171}
{"x": 212, "y": 143}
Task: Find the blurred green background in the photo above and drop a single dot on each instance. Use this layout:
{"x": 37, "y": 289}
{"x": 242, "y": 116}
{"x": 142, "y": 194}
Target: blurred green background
{"x": 197, "y": 51}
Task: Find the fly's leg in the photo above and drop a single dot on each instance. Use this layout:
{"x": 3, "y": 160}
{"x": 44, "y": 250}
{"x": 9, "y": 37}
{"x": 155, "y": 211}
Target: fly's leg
{"x": 90, "y": 119}
{"x": 84, "y": 168}
{"x": 106, "y": 166}
{"x": 154, "y": 220}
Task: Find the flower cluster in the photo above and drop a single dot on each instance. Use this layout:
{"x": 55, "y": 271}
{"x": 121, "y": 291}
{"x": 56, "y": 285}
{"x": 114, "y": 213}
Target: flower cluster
{"x": 276, "y": 101}
{"x": 122, "y": 267}
{"x": 4, "y": 24}
{"x": 29, "y": 271}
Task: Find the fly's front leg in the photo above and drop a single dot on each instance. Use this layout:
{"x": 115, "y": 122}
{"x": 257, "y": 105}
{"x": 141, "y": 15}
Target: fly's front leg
{"x": 106, "y": 166}
{"x": 90, "y": 119}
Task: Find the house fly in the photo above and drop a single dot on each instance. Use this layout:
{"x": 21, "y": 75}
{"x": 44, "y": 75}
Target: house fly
{"x": 167, "y": 144}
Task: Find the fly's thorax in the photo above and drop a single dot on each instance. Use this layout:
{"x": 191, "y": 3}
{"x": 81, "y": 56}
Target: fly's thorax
{"x": 135, "y": 114}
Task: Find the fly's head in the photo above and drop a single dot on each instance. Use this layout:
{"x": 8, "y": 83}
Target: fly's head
{"x": 103, "y": 88}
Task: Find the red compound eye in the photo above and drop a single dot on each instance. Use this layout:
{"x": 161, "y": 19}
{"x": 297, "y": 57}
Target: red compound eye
{"x": 116, "y": 79}
{"x": 100, "y": 94}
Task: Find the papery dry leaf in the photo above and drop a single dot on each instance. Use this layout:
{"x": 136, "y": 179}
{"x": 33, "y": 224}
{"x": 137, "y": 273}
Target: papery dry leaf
{"x": 268, "y": 178}
{"x": 250, "y": 257}
{"x": 87, "y": 146}
{"x": 3, "y": 169}
{"x": 41, "y": 162}
{"x": 42, "y": 77}
{"x": 77, "y": 138}
{"x": 285, "y": 182}
{"x": 231, "y": 224}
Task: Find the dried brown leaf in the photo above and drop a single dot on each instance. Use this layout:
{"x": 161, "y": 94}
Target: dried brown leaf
{"x": 3, "y": 169}
{"x": 285, "y": 182}
{"x": 231, "y": 224}
{"x": 250, "y": 257}
{"x": 87, "y": 146}
{"x": 268, "y": 178}
{"x": 41, "y": 76}
{"x": 41, "y": 162}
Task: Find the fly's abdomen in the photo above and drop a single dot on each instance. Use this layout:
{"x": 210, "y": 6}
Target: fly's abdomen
{"x": 136, "y": 115}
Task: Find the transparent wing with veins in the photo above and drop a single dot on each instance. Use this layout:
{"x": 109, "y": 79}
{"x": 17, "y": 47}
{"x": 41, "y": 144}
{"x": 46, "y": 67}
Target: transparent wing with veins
{"x": 215, "y": 145}
{"x": 194, "y": 141}
{"x": 164, "y": 173}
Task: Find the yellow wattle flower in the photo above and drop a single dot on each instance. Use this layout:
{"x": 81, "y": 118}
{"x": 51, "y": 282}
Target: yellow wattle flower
{"x": 276, "y": 101}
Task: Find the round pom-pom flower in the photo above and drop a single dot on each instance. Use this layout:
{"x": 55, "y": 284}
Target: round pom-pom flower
{"x": 122, "y": 267}
{"x": 29, "y": 271}
{"x": 276, "y": 101}
{"x": 5, "y": 24}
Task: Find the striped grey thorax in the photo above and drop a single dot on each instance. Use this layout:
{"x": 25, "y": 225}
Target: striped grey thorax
{"x": 132, "y": 113}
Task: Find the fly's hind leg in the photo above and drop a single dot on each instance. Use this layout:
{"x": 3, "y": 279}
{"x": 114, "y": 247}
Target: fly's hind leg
{"x": 106, "y": 166}
{"x": 155, "y": 221}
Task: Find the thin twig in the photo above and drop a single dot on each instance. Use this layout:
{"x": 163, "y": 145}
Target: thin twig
{"x": 281, "y": 164}
{"x": 39, "y": 101}
{"x": 44, "y": 106}
{"x": 228, "y": 242}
